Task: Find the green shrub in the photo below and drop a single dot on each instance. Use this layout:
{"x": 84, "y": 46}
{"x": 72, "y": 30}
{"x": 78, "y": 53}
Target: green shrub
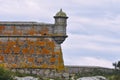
{"x": 5, "y": 74}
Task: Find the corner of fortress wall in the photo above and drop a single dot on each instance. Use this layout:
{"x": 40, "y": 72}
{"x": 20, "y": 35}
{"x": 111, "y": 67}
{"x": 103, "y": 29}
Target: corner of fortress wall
{"x": 32, "y": 45}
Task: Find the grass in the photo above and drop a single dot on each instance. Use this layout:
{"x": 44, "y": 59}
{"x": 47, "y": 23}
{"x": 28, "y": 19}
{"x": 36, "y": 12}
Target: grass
{"x": 115, "y": 75}
{"x": 6, "y": 74}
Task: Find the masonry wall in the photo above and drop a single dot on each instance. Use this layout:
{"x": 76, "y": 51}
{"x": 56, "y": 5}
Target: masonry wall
{"x": 83, "y": 69}
{"x": 29, "y": 46}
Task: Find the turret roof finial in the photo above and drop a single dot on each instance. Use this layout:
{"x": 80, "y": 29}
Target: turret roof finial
{"x": 61, "y": 14}
{"x": 61, "y": 10}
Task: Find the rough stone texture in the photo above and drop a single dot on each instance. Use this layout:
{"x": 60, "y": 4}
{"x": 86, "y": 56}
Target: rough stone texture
{"x": 82, "y": 69}
{"x": 66, "y": 76}
{"x": 93, "y": 78}
{"x": 48, "y": 73}
{"x": 26, "y": 78}
{"x": 21, "y": 71}
{"x": 33, "y": 44}
{"x": 70, "y": 72}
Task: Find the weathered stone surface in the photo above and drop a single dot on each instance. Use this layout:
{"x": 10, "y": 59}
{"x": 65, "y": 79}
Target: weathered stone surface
{"x": 51, "y": 74}
{"x": 21, "y": 71}
{"x": 40, "y": 72}
{"x": 13, "y": 70}
{"x": 34, "y": 72}
{"x": 66, "y": 76}
{"x": 58, "y": 75}
{"x": 27, "y": 71}
{"x": 82, "y": 69}
{"x": 93, "y": 78}
{"x": 26, "y": 78}
{"x": 33, "y": 44}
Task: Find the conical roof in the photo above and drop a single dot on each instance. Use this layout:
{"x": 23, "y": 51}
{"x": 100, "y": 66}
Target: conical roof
{"x": 60, "y": 14}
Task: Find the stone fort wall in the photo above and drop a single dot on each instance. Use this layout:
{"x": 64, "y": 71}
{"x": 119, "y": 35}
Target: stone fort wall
{"x": 69, "y": 71}
{"x": 82, "y": 69}
{"x": 32, "y": 44}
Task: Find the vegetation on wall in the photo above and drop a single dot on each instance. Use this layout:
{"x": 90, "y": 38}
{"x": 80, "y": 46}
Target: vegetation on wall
{"x": 6, "y": 74}
{"x": 113, "y": 75}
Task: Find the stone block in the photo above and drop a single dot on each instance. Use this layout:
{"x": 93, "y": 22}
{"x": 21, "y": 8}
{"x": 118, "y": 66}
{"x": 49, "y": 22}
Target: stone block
{"x": 21, "y": 71}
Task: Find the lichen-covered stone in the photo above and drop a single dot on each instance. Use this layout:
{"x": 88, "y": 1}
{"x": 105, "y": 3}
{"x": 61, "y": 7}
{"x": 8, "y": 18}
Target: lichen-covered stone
{"x": 33, "y": 44}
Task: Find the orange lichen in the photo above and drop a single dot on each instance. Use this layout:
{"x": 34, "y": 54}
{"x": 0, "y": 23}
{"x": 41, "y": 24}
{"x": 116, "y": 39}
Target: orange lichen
{"x": 40, "y": 43}
{"x": 25, "y": 50}
{"x": 38, "y": 51}
{"x": 14, "y": 30}
{"x": 23, "y": 65}
{"x": 39, "y": 60}
{"x": 7, "y": 50}
{"x": 52, "y": 66}
{"x": 52, "y": 59}
{"x": 20, "y": 43}
{"x": 6, "y": 65}
{"x": 1, "y": 58}
{"x": 0, "y": 42}
{"x": 16, "y": 49}
{"x": 19, "y": 32}
{"x": 45, "y": 51}
{"x": 11, "y": 43}
{"x": 7, "y": 33}
{"x": 30, "y": 42}
{"x": 1, "y": 51}
{"x": 14, "y": 65}
{"x": 44, "y": 31}
{"x": 30, "y": 59}
{"x": 51, "y": 45}
{"x": 31, "y": 51}
{"x": 57, "y": 53}
{"x": 24, "y": 45}
{"x": 31, "y": 31}
{"x": 34, "y": 66}
{"x": 2, "y": 28}
{"x": 44, "y": 65}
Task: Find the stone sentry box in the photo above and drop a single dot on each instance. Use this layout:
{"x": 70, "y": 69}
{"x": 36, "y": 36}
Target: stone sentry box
{"x": 33, "y": 44}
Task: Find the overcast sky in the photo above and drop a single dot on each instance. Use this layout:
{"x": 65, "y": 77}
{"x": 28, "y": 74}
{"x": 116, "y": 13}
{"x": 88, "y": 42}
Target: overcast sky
{"x": 93, "y": 26}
